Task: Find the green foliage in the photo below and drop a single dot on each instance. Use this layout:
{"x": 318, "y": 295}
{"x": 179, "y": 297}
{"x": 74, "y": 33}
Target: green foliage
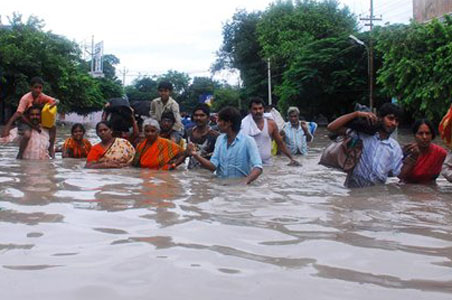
{"x": 417, "y": 66}
{"x": 199, "y": 86}
{"x": 326, "y": 77}
{"x": 312, "y": 62}
{"x": 27, "y": 51}
{"x": 142, "y": 88}
{"x": 241, "y": 50}
{"x": 226, "y": 96}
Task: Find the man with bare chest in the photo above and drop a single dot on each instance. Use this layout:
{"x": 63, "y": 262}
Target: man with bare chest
{"x": 263, "y": 130}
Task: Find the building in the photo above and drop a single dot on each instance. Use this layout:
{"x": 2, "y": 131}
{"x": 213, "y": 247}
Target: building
{"x": 425, "y": 10}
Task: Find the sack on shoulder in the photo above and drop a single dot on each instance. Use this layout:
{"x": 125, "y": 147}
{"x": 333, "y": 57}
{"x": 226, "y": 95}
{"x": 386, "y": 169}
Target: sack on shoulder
{"x": 343, "y": 153}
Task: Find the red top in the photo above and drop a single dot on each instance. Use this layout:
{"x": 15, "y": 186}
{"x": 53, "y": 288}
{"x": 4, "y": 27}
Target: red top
{"x": 27, "y": 101}
{"x": 95, "y": 153}
{"x": 428, "y": 165}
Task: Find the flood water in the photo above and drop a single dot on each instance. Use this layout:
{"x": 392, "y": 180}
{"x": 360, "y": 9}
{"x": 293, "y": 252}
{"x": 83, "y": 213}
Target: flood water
{"x": 295, "y": 233}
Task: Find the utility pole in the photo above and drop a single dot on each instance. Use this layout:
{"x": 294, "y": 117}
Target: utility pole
{"x": 269, "y": 75}
{"x": 92, "y": 55}
{"x": 123, "y": 73}
{"x": 371, "y": 19}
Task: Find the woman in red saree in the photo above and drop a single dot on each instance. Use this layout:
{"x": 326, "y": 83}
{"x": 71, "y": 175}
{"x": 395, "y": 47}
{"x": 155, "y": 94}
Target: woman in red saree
{"x": 76, "y": 146}
{"x": 156, "y": 152}
{"x": 422, "y": 159}
{"x": 111, "y": 152}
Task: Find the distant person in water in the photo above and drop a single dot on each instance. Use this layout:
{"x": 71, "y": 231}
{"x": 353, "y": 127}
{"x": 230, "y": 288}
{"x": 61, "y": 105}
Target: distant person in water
{"x": 166, "y": 128}
{"x": 263, "y": 130}
{"x": 381, "y": 155}
{"x": 235, "y": 155}
{"x": 34, "y": 97}
{"x": 111, "y": 152}
{"x": 164, "y": 104}
{"x": 296, "y": 133}
{"x": 76, "y": 146}
{"x": 201, "y": 135}
{"x": 422, "y": 159}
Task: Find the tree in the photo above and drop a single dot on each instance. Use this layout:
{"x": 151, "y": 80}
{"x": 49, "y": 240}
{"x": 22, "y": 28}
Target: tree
{"x": 201, "y": 86}
{"x": 311, "y": 58}
{"x": 27, "y": 51}
{"x": 143, "y": 88}
{"x": 241, "y": 50}
{"x": 226, "y": 95}
{"x": 417, "y": 66}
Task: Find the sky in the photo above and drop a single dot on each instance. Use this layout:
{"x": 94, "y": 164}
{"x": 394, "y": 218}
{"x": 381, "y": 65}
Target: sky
{"x": 151, "y": 37}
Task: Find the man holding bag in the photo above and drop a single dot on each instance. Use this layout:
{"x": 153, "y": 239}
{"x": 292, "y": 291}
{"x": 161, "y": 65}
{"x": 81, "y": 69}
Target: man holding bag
{"x": 381, "y": 155}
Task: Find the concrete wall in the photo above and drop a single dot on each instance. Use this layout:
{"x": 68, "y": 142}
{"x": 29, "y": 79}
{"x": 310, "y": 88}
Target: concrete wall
{"x": 425, "y": 10}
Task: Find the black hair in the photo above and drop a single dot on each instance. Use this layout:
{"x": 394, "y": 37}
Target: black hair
{"x": 78, "y": 125}
{"x": 106, "y": 123}
{"x": 168, "y": 115}
{"x": 231, "y": 114}
{"x": 34, "y": 106}
{"x": 390, "y": 109}
{"x": 204, "y": 107}
{"x": 256, "y": 100}
{"x": 36, "y": 80}
{"x": 165, "y": 85}
{"x": 418, "y": 123}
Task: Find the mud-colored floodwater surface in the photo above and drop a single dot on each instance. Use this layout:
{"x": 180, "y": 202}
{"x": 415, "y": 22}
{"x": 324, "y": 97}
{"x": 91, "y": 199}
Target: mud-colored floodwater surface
{"x": 296, "y": 233}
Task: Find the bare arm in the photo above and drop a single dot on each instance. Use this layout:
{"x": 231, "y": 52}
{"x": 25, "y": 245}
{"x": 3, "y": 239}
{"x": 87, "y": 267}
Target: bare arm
{"x": 191, "y": 150}
{"x": 10, "y": 122}
{"x": 281, "y": 145}
{"x": 409, "y": 161}
{"x": 307, "y": 133}
{"x": 105, "y": 165}
{"x": 255, "y": 172}
{"x": 338, "y": 124}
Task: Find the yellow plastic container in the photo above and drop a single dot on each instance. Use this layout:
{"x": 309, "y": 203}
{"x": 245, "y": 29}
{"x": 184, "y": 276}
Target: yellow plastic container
{"x": 48, "y": 116}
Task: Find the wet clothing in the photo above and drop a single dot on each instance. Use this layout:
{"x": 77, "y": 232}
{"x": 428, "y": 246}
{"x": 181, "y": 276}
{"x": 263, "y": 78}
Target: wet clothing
{"x": 380, "y": 159}
{"x": 428, "y": 165}
{"x": 295, "y": 139}
{"x": 73, "y": 149}
{"x": 236, "y": 159}
{"x": 447, "y": 167}
{"x": 38, "y": 145}
{"x": 158, "y": 108}
{"x": 27, "y": 101}
{"x": 175, "y": 136}
{"x": 205, "y": 145}
{"x": 121, "y": 151}
{"x": 157, "y": 155}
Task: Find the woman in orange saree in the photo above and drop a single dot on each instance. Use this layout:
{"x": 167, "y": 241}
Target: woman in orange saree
{"x": 155, "y": 152}
{"x": 76, "y": 146}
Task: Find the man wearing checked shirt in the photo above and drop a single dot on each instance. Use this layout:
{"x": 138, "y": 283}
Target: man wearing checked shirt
{"x": 235, "y": 154}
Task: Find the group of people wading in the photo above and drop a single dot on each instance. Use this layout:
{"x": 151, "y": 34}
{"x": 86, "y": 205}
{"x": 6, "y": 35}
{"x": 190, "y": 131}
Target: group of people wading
{"x": 236, "y": 148}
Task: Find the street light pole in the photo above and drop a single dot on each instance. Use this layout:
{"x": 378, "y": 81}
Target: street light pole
{"x": 370, "y": 67}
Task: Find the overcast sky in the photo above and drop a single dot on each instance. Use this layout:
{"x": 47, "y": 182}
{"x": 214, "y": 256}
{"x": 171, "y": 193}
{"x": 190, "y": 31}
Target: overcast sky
{"x": 151, "y": 37}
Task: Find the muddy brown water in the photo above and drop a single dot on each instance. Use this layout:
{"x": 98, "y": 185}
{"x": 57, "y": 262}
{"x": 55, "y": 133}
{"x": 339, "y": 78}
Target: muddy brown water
{"x": 296, "y": 233}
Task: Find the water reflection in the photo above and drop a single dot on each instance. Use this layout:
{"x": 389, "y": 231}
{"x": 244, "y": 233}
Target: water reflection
{"x": 295, "y": 231}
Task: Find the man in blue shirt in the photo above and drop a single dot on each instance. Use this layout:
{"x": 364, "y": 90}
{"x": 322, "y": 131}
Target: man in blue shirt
{"x": 235, "y": 154}
{"x": 296, "y": 133}
{"x": 381, "y": 156}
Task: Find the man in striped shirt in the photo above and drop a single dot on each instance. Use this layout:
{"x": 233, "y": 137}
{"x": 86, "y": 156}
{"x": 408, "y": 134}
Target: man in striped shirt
{"x": 381, "y": 156}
